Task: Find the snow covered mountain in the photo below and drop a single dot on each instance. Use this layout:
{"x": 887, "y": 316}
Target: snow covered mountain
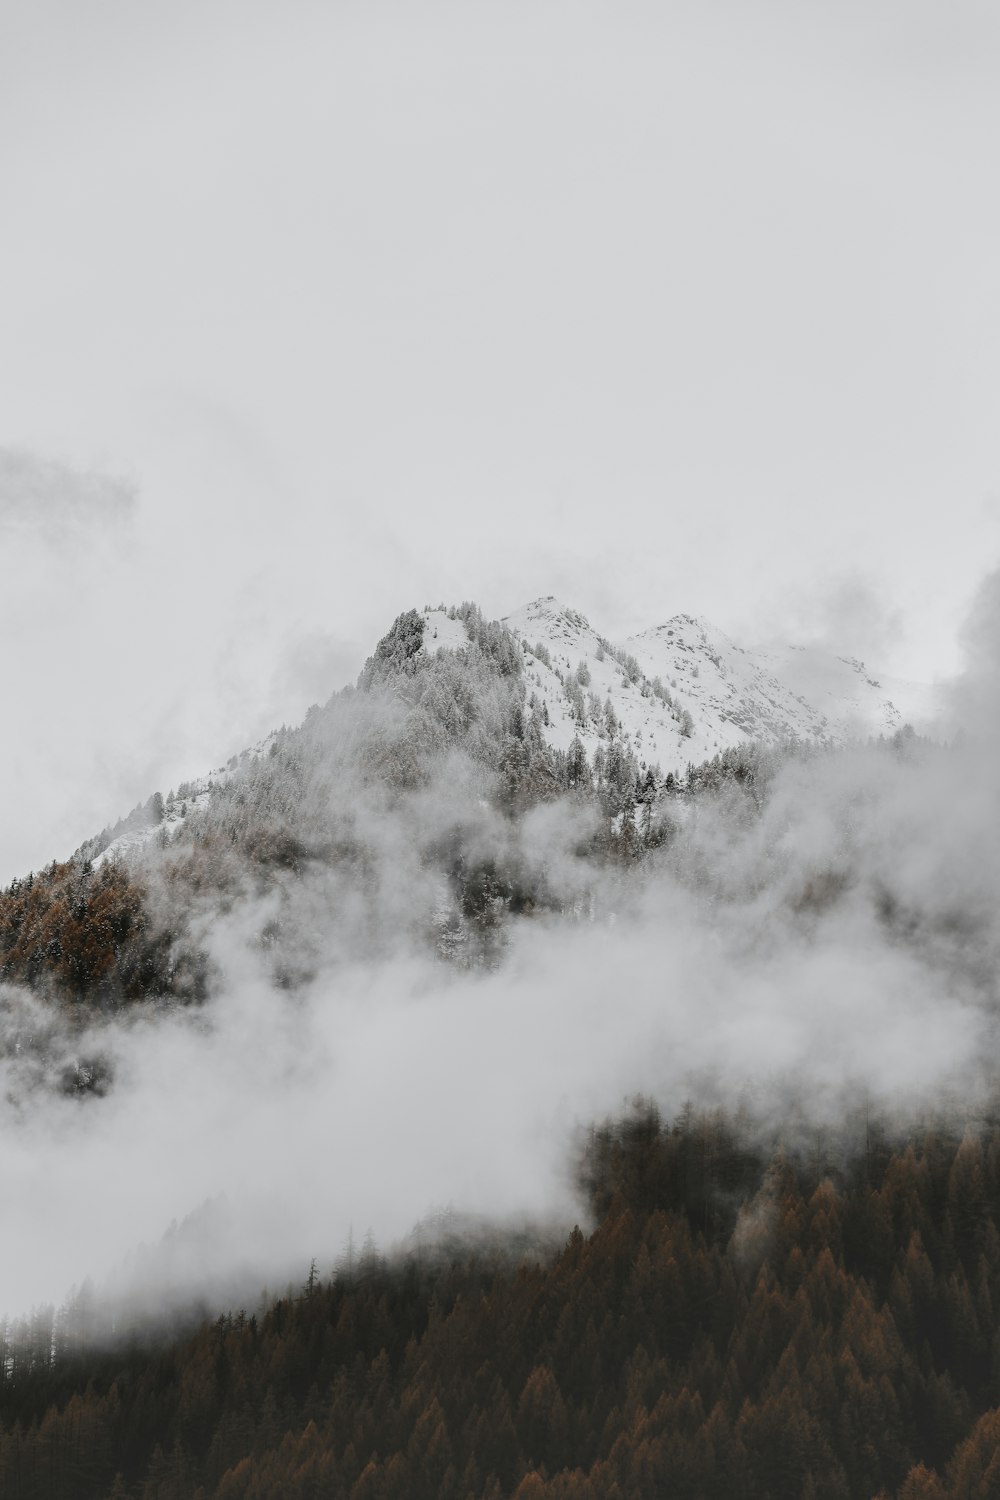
{"x": 676, "y": 695}
{"x": 682, "y": 691}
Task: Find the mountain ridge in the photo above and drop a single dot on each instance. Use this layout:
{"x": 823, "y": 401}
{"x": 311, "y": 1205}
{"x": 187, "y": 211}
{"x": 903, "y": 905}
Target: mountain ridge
{"x": 675, "y": 694}
{"x": 732, "y": 693}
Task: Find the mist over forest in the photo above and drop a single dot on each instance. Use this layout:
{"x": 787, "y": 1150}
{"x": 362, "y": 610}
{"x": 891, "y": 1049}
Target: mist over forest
{"x": 379, "y": 983}
{"x": 413, "y": 949}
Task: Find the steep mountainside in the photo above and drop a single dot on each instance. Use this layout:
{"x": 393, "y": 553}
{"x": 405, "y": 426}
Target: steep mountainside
{"x": 683, "y": 691}
{"x": 407, "y": 802}
{"x": 674, "y": 696}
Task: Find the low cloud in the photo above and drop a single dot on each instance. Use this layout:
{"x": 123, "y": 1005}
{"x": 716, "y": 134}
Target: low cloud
{"x": 312, "y": 665}
{"x": 834, "y": 952}
{"x": 848, "y": 615}
{"x": 974, "y": 697}
{"x": 41, "y": 494}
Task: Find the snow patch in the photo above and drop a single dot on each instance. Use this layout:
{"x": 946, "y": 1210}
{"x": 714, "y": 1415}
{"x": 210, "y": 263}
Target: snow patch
{"x": 442, "y": 633}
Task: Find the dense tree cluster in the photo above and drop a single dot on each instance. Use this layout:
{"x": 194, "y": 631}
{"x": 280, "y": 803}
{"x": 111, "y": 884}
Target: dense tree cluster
{"x": 83, "y": 932}
{"x": 751, "y": 766}
{"x": 737, "y": 1325}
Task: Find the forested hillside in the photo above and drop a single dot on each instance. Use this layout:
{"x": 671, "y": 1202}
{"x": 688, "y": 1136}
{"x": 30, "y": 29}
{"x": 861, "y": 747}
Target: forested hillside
{"x": 736, "y": 1326}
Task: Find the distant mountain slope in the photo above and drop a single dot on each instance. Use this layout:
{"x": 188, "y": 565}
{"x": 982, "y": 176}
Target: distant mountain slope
{"x": 678, "y": 694}
{"x": 682, "y": 691}
{"x": 400, "y": 816}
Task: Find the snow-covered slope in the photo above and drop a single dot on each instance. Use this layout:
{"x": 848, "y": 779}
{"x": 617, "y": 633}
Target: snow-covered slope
{"x": 677, "y": 694}
{"x": 684, "y": 690}
{"x": 442, "y": 632}
{"x": 852, "y": 698}
{"x": 138, "y": 829}
{"x": 174, "y": 812}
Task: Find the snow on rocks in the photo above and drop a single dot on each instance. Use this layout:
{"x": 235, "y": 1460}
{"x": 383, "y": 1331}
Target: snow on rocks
{"x": 682, "y": 691}
{"x": 442, "y": 633}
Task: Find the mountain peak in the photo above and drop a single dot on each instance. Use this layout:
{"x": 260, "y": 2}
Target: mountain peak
{"x": 683, "y": 690}
{"x": 676, "y": 694}
{"x": 685, "y": 627}
{"x": 551, "y": 615}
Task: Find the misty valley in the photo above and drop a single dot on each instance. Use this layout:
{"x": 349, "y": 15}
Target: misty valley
{"x": 555, "y": 1069}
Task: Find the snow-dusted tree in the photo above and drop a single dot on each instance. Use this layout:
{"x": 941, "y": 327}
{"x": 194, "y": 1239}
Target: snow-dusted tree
{"x": 578, "y": 775}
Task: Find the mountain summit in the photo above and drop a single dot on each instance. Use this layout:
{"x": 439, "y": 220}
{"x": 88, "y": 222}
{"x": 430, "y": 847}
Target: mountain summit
{"x": 405, "y": 806}
{"x": 673, "y": 696}
{"x": 682, "y": 691}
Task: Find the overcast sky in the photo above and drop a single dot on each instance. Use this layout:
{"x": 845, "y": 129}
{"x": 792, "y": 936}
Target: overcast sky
{"x": 313, "y": 312}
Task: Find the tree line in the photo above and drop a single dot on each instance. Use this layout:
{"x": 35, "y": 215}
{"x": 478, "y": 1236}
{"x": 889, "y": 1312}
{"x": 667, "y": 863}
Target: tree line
{"x": 739, "y": 1323}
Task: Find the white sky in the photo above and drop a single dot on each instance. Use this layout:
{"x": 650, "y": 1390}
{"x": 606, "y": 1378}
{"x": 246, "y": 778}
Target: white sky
{"x": 331, "y": 309}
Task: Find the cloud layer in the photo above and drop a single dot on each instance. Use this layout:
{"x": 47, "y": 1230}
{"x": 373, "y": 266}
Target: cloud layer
{"x": 41, "y": 494}
{"x": 837, "y": 949}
